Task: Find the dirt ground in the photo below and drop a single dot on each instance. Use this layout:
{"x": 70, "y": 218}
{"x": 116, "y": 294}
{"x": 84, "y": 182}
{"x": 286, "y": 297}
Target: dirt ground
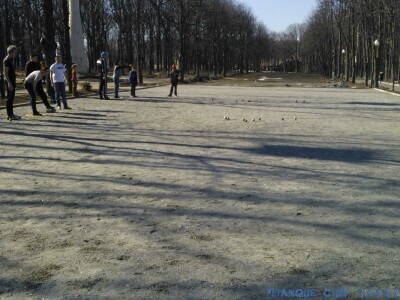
{"x": 265, "y": 79}
{"x": 22, "y": 96}
{"x": 158, "y": 198}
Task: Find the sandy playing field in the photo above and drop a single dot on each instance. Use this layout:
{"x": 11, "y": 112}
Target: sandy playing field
{"x": 158, "y": 198}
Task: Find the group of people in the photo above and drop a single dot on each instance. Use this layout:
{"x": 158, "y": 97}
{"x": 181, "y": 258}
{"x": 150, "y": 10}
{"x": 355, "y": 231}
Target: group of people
{"x": 117, "y": 74}
{"x": 132, "y": 78}
{"x": 37, "y": 73}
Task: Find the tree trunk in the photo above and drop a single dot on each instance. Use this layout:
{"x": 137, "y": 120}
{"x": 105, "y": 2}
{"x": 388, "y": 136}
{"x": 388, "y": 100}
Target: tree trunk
{"x": 48, "y": 40}
{"x": 139, "y": 41}
{"x": 393, "y": 50}
{"x": 151, "y": 49}
{"x": 353, "y": 46}
{"x": 67, "y": 45}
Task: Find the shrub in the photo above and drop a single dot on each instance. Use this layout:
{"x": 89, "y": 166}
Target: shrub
{"x": 86, "y": 86}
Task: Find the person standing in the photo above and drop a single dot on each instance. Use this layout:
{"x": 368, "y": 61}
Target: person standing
{"x": 116, "y": 77}
{"x": 50, "y": 89}
{"x": 2, "y": 89}
{"x": 57, "y": 77}
{"x": 133, "y": 80}
{"x": 10, "y": 80}
{"x": 74, "y": 80}
{"x": 33, "y": 84}
{"x": 102, "y": 63}
{"x": 32, "y": 65}
{"x": 174, "y": 80}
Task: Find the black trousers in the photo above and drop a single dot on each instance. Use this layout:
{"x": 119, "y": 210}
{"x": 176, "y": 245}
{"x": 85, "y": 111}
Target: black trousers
{"x": 75, "y": 88}
{"x": 2, "y": 87}
{"x": 133, "y": 89}
{"x": 10, "y": 101}
{"x": 103, "y": 88}
{"x": 42, "y": 95}
{"x": 32, "y": 94}
{"x": 51, "y": 92}
{"x": 174, "y": 86}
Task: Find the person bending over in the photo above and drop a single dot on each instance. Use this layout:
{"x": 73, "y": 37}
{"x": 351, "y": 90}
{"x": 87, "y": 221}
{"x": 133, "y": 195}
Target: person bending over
{"x": 33, "y": 84}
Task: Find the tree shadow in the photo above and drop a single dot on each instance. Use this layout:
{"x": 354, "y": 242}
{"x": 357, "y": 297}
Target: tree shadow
{"x": 106, "y": 111}
{"x": 372, "y": 103}
{"x": 316, "y": 153}
{"x": 80, "y": 114}
{"x": 96, "y": 191}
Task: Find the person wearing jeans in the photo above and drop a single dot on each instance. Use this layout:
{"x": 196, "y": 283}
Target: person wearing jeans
{"x": 57, "y": 76}
{"x": 59, "y": 88}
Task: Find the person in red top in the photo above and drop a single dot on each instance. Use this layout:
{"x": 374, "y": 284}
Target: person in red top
{"x": 74, "y": 79}
{"x": 174, "y": 80}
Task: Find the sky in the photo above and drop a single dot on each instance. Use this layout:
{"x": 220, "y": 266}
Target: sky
{"x": 279, "y": 14}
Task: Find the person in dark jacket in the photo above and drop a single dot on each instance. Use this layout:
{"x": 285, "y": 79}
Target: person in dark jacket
{"x": 2, "y": 85}
{"x": 32, "y": 65}
{"x": 103, "y": 70}
{"x": 10, "y": 80}
{"x": 381, "y": 77}
{"x": 133, "y": 80}
{"x": 174, "y": 80}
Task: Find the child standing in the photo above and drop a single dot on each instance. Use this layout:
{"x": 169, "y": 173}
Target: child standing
{"x": 74, "y": 80}
{"x": 174, "y": 80}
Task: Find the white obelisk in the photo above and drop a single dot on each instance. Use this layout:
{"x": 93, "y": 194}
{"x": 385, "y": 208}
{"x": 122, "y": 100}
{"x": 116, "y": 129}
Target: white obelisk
{"x": 78, "y": 51}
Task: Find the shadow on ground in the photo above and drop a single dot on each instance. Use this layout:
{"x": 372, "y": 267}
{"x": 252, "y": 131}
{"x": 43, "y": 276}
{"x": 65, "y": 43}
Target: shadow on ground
{"x": 216, "y": 190}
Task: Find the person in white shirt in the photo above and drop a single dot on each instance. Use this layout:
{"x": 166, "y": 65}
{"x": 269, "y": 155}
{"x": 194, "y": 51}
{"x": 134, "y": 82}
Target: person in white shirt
{"x": 32, "y": 84}
{"x": 57, "y": 77}
{"x": 117, "y": 77}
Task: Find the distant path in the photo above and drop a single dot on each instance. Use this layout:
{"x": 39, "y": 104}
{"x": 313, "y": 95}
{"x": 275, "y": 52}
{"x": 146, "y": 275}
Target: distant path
{"x": 389, "y": 86}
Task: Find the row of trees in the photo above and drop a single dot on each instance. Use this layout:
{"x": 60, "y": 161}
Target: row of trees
{"x": 35, "y": 26}
{"x": 213, "y": 36}
{"x": 347, "y": 39}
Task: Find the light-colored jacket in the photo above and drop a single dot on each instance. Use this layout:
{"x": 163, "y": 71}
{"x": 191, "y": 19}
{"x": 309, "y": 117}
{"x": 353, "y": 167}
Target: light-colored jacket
{"x": 35, "y": 78}
{"x": 117, "y": 73}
